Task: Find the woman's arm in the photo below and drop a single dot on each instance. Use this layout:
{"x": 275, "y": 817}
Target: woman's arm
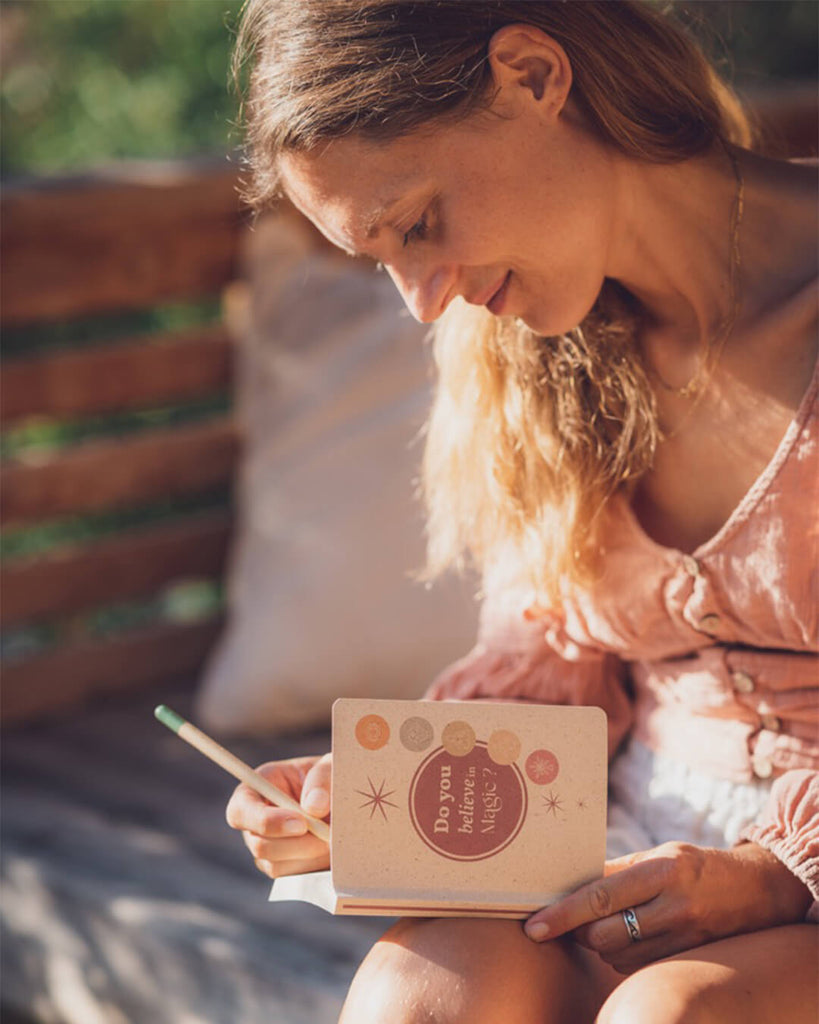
{"x": 683, "y": 895}
{"x": 513, "y": 660}
{"x": 788, "y": 827}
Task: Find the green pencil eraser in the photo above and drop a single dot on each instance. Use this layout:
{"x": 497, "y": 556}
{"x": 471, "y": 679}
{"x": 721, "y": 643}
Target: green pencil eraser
{"x": 167, "y": 717}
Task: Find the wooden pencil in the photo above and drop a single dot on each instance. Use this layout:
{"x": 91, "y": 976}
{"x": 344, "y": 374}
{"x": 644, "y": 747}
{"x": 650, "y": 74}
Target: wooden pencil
{"x": 237, "y": 768}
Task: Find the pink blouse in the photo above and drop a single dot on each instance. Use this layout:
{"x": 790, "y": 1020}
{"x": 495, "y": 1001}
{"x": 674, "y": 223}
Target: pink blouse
{"x": 712, "y": 658}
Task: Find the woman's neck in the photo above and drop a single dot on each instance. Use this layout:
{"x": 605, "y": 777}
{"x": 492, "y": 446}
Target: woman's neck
{"x": 697, "y": 263}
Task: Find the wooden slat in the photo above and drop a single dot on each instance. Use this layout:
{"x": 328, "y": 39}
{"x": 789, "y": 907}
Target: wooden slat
{"x": 139, "y": 236}
{"x": 65, "y": 677}
{"x": 102, "y": 475}
{"x": 112, "y": 378}
{"x": 124, "y": 568}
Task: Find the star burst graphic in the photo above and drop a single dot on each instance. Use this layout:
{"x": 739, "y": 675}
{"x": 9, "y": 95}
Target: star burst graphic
{"x": 376, "y": 798}
{"x": 552, "y": 803}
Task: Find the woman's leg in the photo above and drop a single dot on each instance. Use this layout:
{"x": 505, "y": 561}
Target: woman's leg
{"x": 766, "y": 977}
{"x": 457, "y": 971}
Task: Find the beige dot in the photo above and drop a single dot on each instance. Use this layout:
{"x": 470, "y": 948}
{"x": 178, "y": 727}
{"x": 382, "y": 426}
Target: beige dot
{"x": 503, "y": 746}
{"x": 416, "y": 733}
{"x": 458, "y": 738}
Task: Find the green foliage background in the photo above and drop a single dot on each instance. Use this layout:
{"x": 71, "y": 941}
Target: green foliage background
{"x": 91, "y": 80}
{"x": 85, "y": 81}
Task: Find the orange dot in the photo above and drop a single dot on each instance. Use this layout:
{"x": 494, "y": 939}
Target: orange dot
{"x": 372, "y": 732}
{"x": 503, "y": 746}
{"x": 458, "y": 738}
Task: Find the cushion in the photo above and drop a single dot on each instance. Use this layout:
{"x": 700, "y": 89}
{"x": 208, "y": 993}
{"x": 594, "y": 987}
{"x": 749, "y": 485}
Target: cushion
{"x": 334, "y": 384}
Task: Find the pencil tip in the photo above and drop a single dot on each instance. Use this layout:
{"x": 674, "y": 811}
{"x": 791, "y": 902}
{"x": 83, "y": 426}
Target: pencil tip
{"x": 169, "y": 718}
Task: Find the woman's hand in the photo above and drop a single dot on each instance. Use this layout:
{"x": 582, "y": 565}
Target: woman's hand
{"x": 278, "y": 839}
{"x": 682, "y": 895}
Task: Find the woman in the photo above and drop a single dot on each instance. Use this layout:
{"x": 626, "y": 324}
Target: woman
{"x": 623, "y": 440}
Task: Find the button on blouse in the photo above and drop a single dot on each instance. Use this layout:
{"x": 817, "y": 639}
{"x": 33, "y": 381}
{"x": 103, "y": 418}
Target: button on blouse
{"x": 742, "y": 682}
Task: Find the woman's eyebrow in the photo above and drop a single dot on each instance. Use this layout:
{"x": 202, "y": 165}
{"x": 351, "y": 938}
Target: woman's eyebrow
{"x": 372, "y": 224}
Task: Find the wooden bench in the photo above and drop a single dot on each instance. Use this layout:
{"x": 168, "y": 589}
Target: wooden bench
{"x": 78, "y": 250}
{"x": 125, "y": 895}
{"x": 125, "y": 898}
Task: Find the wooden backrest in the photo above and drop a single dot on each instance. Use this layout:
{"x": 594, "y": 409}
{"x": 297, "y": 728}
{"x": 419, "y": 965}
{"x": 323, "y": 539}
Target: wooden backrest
{"x": 152, "y": 500}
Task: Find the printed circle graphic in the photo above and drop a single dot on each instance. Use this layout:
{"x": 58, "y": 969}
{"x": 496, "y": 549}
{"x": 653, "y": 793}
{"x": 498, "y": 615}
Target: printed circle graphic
{"x": 467, "y": 806}
{"x": 503, "y": 746}
{"x": 372, "y": 732}
{"x": 416, "y": 734}
{"x": 458, "y": 738}
{"x": 542, "y": 767}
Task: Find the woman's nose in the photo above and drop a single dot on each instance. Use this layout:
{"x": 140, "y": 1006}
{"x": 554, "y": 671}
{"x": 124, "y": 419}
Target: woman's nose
{"x": 426, "y": 292}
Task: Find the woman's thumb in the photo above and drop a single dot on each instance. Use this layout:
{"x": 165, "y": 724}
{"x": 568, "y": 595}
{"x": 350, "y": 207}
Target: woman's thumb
{"x": 315, "y": 792}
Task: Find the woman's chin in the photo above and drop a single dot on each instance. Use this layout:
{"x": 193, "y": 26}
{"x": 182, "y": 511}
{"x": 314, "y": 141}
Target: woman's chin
{"x": 554, "y": 322}
{"x": 548, "y": 326}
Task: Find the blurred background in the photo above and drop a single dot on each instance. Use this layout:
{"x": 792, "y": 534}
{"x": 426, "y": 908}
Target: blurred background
{"x": 83, "y": 84}
{"x": 90, "y": 80}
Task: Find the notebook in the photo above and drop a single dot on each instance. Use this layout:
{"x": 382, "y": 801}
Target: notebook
{"x": 460, "y": 809}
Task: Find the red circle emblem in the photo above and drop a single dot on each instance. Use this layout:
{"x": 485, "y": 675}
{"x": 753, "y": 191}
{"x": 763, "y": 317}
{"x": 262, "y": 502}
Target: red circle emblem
{"x": 467, "y": 807}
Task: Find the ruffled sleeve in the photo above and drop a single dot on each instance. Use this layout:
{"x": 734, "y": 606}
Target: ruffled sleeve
{"x": 789, "y": 828}
{"x": 515, "y": 660}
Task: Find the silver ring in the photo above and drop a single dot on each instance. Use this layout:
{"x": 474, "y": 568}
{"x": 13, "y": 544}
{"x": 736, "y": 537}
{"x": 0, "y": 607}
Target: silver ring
{"x": 632, "y": 924}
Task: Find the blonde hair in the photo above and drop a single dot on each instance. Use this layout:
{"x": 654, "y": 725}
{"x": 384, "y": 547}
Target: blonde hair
{"x": 529, "y": 436}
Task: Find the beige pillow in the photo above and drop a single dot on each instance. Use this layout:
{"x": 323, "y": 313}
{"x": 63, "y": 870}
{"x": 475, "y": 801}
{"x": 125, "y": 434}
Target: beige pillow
{"x": 334, "y": 386}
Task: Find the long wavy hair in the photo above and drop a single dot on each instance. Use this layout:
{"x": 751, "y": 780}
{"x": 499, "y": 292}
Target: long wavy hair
{"x": 529, "y": 436}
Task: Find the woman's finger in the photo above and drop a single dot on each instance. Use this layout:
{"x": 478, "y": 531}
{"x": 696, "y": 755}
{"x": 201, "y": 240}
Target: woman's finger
{"x": 244, "y": 809}
{"x": 610, "y": 934}
{"x": 315, "y": 793}
{"x": 265, "y": 867}
{"x": 248, "y": 811}
{"x": 306, "y": 847}
{"x": 628, "y": 860}
{"x": 601, "y": 898}
{"x": 281, "y": 869}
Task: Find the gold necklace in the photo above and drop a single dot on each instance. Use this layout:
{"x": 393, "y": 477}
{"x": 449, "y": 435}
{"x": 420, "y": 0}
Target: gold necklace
{"x": 713, "y": 351}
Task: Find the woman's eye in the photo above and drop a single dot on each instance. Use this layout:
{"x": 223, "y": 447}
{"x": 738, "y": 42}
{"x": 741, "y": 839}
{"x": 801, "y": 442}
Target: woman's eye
{"x": 417, "y": 231}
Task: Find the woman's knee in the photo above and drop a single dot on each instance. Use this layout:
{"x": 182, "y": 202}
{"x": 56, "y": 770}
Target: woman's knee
{"x": 663, "y": 993}
{"x": 745, "y": 979}
{"x": 396, "y": 985}
{"x": 456, "y": 971}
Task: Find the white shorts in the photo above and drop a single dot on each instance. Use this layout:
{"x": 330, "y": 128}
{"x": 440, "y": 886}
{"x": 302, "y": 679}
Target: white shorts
{"x": 654, "y": 799}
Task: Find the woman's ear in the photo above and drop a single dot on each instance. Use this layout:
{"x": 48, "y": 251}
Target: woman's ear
{"x": 529, "y": 67}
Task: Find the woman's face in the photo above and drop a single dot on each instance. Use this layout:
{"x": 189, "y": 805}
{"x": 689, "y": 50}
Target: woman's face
{"x": 509, "y": 209}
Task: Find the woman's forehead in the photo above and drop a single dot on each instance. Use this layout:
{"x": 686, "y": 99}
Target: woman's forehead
{"x": 351, "y": 182}
{"x": 353, "y": 163}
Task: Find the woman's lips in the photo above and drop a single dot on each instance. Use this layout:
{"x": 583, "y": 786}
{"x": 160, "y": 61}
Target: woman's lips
{"x": 496, "y": 303}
